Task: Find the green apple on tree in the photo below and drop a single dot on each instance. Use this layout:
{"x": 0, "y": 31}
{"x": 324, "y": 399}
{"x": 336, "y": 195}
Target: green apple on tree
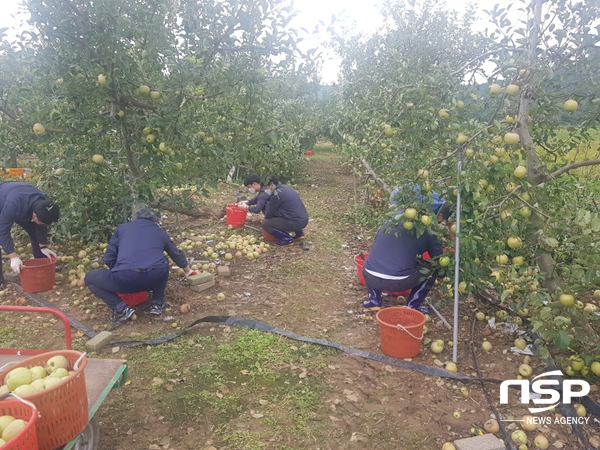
{"x": 495, "y": 89}
{"x": 511, "y": 138}
{"x": 571, "y": 105}
{"x": 512, "y": 89}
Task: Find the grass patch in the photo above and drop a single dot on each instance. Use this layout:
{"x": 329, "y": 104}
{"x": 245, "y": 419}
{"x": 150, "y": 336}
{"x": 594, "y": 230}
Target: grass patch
{"x": 323, "y": 146}
{"x": 251, "y": 373}
{"x": 7, "y": 335}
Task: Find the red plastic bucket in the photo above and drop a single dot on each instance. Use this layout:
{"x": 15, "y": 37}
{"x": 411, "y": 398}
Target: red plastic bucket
{"x": 134, "y": 298}
{"x": 236, "y": 216}
{"x": 38, "y": 275}
{"x": 309, "y": 153}
{"x": 401, "y": 331}
{"x": 269, "y": 237}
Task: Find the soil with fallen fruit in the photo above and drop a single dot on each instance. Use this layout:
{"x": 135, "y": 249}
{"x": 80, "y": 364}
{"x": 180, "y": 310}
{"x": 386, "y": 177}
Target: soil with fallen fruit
{"x": 311, "y": 290}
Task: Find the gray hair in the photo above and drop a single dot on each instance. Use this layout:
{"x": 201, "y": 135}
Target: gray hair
{"x": 143, "y": 212}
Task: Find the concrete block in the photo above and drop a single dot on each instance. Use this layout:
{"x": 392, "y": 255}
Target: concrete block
{"x": 223, "y": 271}
{"x": 99, "y": 341}
{"x": 203, "y": 286}
{"x": 483, "y": 442}
{"x": 202, "y": 277}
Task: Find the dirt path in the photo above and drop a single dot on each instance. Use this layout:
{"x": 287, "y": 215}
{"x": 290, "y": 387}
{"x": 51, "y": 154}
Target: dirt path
{"x": 223, "y": 388}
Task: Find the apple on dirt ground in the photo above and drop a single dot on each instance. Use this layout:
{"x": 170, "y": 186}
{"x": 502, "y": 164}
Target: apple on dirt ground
{"x": 491, "y": 426}
{"x": 525, "y": 370}
{"x": 38, "y": 128}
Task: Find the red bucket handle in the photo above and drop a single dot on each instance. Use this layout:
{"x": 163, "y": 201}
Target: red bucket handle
{"x": 38, "y": 309}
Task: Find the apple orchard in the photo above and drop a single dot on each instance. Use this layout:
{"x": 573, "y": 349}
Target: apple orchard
{"x": 121, "y": 102}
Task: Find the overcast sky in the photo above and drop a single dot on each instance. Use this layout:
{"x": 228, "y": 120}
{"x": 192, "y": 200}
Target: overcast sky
{"x": 363, "y": 14}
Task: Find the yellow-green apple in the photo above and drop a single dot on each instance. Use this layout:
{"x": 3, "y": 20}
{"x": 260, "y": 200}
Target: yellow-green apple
{"x": 520, "y": 172}
{"x": 17, "y": 377}
{"x": 37, "y": 373}
{"x": 38, "y": 128}
{"x": 512, "y": 89}
{"x": 525, "y": 370}
{"x": 13, "y": 428}
{"x": 571, "y": 105}
{"x": 511, "y": 138}
{"x": 57, "y": 362}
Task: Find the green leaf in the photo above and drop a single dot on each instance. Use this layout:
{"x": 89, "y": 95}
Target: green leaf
{"x": 562, "y": 340}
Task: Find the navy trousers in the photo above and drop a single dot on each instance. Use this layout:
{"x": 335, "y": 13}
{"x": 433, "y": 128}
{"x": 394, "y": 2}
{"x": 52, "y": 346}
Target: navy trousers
{"x": 105, "y": 284}
{"x": 419, "y": 281}
{"x": 281, "y": 224}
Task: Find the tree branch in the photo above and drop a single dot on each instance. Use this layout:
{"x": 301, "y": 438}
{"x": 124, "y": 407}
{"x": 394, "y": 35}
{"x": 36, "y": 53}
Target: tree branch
{"x": 569, "y": 167}
{"x": 371, "y": 172}
{"x": 48, "y": 130}
{"x": 483, "y": 56}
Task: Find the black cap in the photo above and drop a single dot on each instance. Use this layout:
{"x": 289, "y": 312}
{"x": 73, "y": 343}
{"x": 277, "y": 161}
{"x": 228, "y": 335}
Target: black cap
{"x": 46, "y": 211}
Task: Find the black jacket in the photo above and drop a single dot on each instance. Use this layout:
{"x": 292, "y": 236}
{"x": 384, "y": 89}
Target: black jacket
{"x": 259, "y": 202}
{"x": 285, "y": 202}
{"x": 140, "y": 245}
{"x": 395, "y": 252}
{"x": 16, "y": 206}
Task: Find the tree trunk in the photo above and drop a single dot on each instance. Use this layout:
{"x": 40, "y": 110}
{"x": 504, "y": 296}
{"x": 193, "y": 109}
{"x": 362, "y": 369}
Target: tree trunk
{"x": 536, "y": 172}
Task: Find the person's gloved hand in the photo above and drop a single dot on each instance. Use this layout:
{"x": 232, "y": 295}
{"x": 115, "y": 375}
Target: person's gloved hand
{"x": 244, "y": 206}
{"x": 48, "y": 253}
{"x": 16, "y": 264}
{"x": 191, "y": 273}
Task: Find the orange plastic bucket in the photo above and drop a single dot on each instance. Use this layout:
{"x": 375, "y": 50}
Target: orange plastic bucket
{"x": 269, "y": 237}
{"x": 38, "y": 275}
{"x": 401, "y": 331}
{"x": 236, "y": 216}
{"x": 360, "y": 262}
{"x": 134, "y": 298}
{"x": 63, "y": 407}
{"x": 26, "y": 438}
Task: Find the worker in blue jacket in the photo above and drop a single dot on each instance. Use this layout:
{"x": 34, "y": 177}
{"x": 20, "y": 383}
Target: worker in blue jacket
{"x": 137, "y": 263}
{"x": 395, "y": 264}
{"x": 32, "y": 210}
{"x": 284, "y": 213}
{"x": 416, "y": 192}
{"x": 258, "y": 203}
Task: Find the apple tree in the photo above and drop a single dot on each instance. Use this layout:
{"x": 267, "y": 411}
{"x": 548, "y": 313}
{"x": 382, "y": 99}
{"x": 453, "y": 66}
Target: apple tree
{"x": 153, "y": 101}
{"x": 517, "y": 105}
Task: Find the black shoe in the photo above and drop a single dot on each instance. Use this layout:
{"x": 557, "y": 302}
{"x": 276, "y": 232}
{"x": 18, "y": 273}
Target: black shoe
{"x": 157, "y": 310}
{"x": 123, "y": 316}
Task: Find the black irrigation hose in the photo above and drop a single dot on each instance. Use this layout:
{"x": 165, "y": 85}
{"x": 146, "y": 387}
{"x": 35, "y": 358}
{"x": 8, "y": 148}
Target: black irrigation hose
{"x": 590, "y": 404}
{"x": 261, "y": 326}
{"x": 508, "y": 443}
